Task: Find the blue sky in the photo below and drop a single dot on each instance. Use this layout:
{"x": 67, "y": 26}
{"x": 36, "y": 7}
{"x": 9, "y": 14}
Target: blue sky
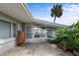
{"x": 42, "y": 11}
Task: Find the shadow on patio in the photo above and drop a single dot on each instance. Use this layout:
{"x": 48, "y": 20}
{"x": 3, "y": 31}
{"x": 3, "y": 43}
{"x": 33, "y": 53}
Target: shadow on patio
{"x": 37, "y": 49}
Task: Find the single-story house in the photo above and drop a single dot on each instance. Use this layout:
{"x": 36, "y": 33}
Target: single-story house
{"x": 16, "y": 17}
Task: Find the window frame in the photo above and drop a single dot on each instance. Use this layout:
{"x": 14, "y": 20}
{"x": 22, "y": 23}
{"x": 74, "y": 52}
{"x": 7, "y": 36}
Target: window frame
{"x": 9, "y": 29}
{"x": 14, "y": 34}
{"x": 41, "y": 34}
{"x": 28, "y": 32}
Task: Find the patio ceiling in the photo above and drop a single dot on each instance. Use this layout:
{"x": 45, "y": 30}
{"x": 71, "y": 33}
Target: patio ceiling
{"x": 17, "y": 11}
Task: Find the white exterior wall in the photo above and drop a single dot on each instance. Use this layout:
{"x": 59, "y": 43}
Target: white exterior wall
{"x": 19, "y": 27}
{"x": 36, "y": 40}
{"x": 8, "y": 43}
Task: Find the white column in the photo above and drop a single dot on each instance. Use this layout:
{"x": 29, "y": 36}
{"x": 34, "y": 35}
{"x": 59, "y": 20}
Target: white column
{"x": 11, "y": 30}
{"x": 53, "y": 33}
{"x": 46, "y": 31}
{"x": 33, "y": 32}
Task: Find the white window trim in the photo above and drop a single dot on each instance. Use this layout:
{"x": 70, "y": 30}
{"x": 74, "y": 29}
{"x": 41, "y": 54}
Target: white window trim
{"x": 4, "y": 40}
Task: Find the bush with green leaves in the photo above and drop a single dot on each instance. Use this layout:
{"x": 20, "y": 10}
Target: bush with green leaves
{"x": 69, "y": 36}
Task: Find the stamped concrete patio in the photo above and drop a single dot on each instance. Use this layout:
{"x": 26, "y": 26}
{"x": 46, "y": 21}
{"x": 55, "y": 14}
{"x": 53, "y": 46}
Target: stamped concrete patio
{"x": 37, "y": 49}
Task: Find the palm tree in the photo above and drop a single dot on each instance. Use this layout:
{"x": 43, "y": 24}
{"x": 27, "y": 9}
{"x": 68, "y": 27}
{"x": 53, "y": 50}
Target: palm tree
{"x": 56, "y": 11}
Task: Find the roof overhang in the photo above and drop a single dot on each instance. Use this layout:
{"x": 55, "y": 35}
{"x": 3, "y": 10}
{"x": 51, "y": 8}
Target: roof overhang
{"x": 17, "y": 11}
{"x": 48, "y": 24}
{"x": 20, "y": 12}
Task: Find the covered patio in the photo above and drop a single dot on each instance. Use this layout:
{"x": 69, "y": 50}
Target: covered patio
{"x": 18, "y": 18}
{"x": 37, "y": 49}
{"x": 40, "y": 31}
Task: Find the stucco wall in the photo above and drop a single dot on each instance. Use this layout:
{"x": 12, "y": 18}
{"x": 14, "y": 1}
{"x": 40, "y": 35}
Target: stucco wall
{"x": 8, "y": 43}
{"x": 37, "y": 40}
{"x": 5, "y": 46}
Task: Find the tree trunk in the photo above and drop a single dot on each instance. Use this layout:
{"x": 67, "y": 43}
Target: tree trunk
{"x": 54, "y": 19}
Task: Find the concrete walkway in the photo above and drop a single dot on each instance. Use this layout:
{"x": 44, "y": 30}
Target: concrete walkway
{"x": 37, "y": 49}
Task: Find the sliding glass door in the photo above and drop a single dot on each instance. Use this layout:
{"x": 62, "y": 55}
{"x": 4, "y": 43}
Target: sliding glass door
{"x": 5, "y": 29}
{"x": 29, "y": 32}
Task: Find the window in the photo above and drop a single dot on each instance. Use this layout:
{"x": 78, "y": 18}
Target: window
{"x": 5, "y": 29}
{"x": 29, "y": 32}
{"x": 39, "y": 32}
{"x": 49, "y": 33}
{"x": 14, "y": 30}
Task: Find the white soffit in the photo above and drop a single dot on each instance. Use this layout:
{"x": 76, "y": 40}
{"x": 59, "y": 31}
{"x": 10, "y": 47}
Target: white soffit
{"x": 49, "y": 24}
{"x": 17, "y": 11}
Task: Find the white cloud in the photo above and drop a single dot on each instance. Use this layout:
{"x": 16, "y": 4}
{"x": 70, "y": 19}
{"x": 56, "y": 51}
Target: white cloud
{"x": 72, "y": 8}
{"x": 70, "y": 14}
{"x": 49, "y": 8}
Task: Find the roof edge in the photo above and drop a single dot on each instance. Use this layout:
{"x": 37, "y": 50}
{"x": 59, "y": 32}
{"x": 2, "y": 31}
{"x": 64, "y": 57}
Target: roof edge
{"x": 26, "y": 10}
{"x": 45, "y": 22}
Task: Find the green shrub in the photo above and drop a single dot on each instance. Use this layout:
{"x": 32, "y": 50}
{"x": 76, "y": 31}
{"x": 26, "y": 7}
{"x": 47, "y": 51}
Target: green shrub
{"x": 61, "y": 34}
{"x": 53, "y": 41}
{"x": 69, "y": 36}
